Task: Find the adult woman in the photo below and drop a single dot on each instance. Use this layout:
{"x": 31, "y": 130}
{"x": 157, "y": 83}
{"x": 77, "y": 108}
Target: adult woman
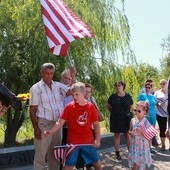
{"x": 161, "y": 115}
{"x": 150, "y": 98}
{"x": 119, "y": 104}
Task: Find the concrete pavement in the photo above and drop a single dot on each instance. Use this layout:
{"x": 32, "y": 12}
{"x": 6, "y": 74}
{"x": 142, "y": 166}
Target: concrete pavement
{"x": 161, "y": 160}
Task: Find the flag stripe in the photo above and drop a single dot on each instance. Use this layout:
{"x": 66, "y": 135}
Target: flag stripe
{"x": 56, "y": 16}
{"x": 67, "y": 20}
{"x": 74, "y": 22}
{"x": 51, "y": 22}
{"x": 62, "y": 26}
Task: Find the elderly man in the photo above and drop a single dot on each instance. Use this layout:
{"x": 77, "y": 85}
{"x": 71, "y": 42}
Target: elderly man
{"x": 45, "y": 108}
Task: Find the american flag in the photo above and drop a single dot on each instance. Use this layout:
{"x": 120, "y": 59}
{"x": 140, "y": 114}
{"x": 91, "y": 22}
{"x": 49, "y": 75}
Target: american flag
{"x": 149, "y": 131}
{"x": 62, "y": 152}
{"x": 62, "y": 26}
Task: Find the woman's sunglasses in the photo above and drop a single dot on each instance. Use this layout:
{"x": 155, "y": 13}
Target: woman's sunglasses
{"x": 139, "y": 111}
{"x": 162, "y": 83}
{"x": 147, "y": 87}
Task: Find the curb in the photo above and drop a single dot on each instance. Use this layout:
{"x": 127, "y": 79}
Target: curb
{"x": 24, "y": 155}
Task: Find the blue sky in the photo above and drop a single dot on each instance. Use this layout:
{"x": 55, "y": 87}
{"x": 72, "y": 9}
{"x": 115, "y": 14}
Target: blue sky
{"x": 149, "y": 22}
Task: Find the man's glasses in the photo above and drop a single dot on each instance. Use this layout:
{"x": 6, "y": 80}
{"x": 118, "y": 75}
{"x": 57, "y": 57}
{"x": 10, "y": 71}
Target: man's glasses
{"x": 162, "y": 83}
{"x": 139, "y": 111}
{"x": 147, "y": 87}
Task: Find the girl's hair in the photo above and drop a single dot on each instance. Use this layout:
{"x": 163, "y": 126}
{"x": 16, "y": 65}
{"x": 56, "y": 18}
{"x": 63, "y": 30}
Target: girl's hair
{"x": 78, "y": 86}
{"x": 144, "y": 105}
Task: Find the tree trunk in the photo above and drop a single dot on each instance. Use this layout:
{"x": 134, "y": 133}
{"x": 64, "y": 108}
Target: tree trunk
{"x": 13, "y": 125}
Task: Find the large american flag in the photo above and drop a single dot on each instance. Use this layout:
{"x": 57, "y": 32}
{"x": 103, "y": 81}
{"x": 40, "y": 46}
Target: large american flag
{"x": 62, "y": 26}
{"x": 149, "y": 131}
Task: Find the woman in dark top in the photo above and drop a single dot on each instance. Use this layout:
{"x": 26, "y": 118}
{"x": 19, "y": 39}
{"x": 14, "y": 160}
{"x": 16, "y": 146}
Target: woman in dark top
{"x": 120, "y": 106}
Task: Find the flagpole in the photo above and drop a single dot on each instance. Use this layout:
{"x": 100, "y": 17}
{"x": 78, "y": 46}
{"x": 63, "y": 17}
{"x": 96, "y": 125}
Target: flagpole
{"x": 65, "y": 146}
{"x": 70, "y": 60}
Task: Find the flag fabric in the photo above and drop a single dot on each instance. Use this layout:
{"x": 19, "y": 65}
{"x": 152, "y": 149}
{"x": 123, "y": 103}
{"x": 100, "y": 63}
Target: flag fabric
{"x": 60, "y": 153}
{"x": 62, "y": 26}
{"x": 149, "y": 131}
{"x": 63, "y": 152}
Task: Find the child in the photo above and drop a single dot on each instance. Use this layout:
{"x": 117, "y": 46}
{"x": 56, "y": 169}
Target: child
{"x": 139, "y": 152}
{"x": 81, "y": 115}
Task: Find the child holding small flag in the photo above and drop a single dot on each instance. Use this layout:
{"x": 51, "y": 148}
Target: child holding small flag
{"x": 141, "y": 132}
{"x": 80, "y": 115}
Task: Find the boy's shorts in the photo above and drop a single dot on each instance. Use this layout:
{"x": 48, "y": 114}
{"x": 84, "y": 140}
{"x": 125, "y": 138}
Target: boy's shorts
{"x": 88, "y": 153}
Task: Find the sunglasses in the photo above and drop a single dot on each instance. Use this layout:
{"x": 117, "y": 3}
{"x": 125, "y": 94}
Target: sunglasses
{"x": 162, "y": 83}
{"x": 147, "y": 87}
{"x": 139, "y": 111}
{"x": 118, "y": 85}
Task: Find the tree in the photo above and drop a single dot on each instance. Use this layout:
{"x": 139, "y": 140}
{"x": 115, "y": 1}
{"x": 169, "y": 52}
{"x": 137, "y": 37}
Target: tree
{"x": 145, "y": 71}
{"x": 130, "y": 78}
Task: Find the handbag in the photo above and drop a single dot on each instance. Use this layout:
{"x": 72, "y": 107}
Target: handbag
{"x": 129, "y": 116}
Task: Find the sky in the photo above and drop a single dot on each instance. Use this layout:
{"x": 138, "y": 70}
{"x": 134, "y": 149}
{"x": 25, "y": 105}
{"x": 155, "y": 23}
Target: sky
{"x": 149, "y": 22}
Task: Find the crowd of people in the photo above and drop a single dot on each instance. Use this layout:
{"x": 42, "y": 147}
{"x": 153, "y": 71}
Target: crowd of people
{"x": 65, "y": 113}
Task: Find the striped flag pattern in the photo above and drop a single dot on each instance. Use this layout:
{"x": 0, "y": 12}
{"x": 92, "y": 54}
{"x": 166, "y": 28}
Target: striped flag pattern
{"x": 60, "y": 153}
{"x": 149, "y": 131}
{"x": 63, "y": 152}
{"x": 62, "y": 26}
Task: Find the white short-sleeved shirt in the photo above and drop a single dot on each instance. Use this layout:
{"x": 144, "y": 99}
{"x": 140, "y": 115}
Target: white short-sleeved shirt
{"x": 49, "y": 101}
{"x": 161, "y": 98}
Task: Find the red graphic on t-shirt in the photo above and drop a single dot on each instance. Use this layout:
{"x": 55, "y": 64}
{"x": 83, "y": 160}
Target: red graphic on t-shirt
{"x": 82, "y": 120}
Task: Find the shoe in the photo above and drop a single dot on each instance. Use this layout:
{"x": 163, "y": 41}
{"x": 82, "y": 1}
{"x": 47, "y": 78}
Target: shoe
{"x": 118, "y": 157}
{"x": 163, "y": 148}
{"x": 154, "y": 142}
{"x": 153, "y": 151}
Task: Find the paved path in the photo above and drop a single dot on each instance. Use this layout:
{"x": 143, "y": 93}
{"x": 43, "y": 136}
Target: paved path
{"x": 161, "y": 160}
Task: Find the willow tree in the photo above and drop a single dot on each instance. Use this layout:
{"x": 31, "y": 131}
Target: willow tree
{"x": 24, "y": 47}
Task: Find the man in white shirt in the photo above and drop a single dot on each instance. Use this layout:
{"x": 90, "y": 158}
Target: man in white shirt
{"x": 45, "y": 107}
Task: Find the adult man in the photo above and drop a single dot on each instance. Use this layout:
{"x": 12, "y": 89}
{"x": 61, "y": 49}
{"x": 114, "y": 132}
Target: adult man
{"x": 45, "y": 108}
